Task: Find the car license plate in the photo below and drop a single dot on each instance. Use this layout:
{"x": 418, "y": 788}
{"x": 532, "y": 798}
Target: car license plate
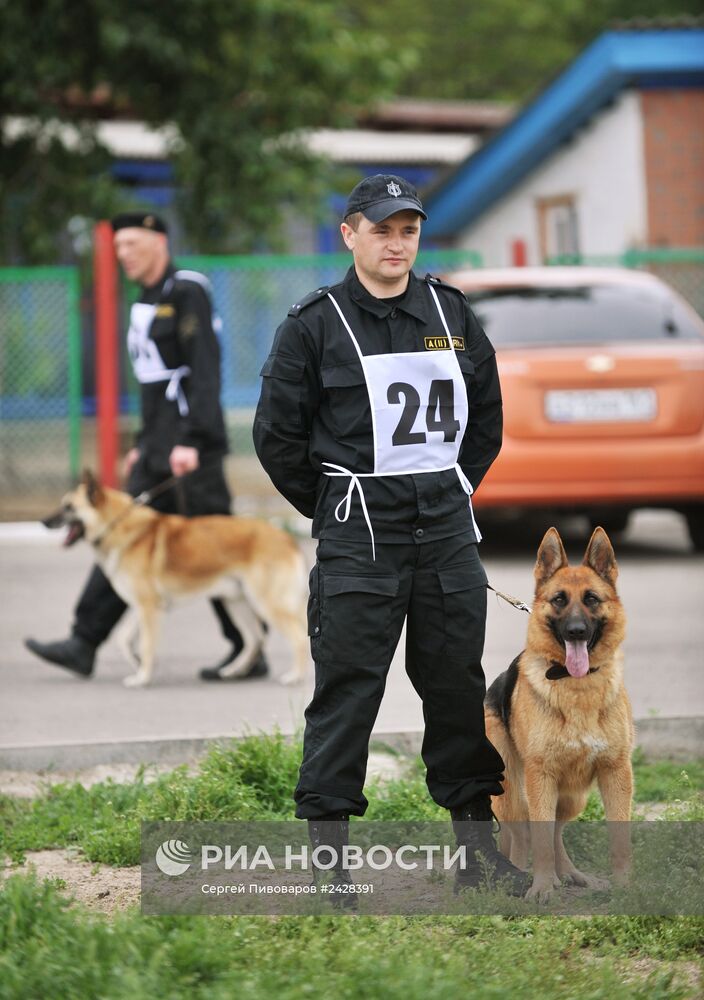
{"x": 595, "y": 405}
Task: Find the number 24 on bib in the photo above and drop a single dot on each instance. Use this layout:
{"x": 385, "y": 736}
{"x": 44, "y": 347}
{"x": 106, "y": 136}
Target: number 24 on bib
{"x": 420, "y": 411}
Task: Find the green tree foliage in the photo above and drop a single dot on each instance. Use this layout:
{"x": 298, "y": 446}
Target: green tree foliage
{"x": 498, "y": 49}
{"x": 231, "y": 78}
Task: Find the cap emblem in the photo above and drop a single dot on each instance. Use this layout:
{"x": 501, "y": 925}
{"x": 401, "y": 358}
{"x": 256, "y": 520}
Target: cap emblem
{"x": 393, "y": 189}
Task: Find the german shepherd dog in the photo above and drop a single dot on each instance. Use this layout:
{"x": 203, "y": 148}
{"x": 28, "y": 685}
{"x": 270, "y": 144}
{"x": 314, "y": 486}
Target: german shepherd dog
{"x": 152, "y": 559}
{"x": 560, "y": 717}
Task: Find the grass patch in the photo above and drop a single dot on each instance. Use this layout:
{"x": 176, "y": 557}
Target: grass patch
{"x": 673, "y": 782}
{"x": 249, "y": 780}
{"x": 253, "y": 779}
{"x": 665, "y": 780}
{"x": 51, "y": 951}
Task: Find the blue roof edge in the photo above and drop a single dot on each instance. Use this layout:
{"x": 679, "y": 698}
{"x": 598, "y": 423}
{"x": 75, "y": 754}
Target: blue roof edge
{"x": 615, "y": 60}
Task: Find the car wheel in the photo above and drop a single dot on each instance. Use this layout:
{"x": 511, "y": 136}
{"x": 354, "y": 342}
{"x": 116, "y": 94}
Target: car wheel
{"x": 613, "y": 523}
{"x": 695, "y": 526}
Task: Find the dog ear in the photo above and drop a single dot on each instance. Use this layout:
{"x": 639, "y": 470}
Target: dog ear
{"x": 600, "y": 556}
{"x": 551, "y": 556}
{"x": 93, "y": 489}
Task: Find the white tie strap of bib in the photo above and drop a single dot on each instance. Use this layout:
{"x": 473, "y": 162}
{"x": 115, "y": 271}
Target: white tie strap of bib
{"x": 173, "y": 389}
{"x": 374, "y": 371}
{"x": 355, "y": 484}
{"x": 467, "y": 487}
{"x": 346, "y": 501}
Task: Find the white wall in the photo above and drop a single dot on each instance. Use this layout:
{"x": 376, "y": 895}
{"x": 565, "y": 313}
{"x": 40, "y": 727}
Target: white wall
{"x": 603, "y": 166}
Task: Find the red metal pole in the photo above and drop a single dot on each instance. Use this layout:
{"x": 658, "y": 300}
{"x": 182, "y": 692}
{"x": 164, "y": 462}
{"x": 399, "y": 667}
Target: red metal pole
{"x": 519, "y": 253}
{"x": 106, "y": 352}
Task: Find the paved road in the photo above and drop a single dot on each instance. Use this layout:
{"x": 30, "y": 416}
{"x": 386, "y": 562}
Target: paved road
{"x": 662, "y": 586}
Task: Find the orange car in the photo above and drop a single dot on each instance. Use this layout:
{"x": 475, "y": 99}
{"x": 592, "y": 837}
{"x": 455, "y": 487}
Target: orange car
{"x": 602, "y": 373}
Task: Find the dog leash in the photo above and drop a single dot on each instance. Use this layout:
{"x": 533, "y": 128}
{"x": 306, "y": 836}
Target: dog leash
{"x": 513, "y": 601}
{"x": 148, "y": 495}
{"x": 145, "y": 497}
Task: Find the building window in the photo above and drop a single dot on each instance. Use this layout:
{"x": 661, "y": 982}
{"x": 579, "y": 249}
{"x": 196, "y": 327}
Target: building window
{"x": 558, "y": 226}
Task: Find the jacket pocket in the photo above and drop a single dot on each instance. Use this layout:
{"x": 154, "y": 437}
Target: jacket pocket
{"x": 345, "y": 404}
{"x": 342, "y": 376}
{"x": 466, "y": 365}
{"x": 282, "y": 388}
{"x": 284, "y": 366}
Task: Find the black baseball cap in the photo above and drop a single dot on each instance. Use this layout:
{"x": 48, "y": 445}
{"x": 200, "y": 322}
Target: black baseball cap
{"x": 379, "y": 196}
{"x": 139, "y": 220}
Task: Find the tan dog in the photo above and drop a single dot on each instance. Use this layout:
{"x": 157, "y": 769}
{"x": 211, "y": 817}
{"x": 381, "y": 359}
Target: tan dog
{"x": 153, "y": 559}
{"x": 560, "y": 717}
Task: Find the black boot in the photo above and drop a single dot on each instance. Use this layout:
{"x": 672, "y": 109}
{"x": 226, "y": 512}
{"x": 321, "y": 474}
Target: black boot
{"x": 75, "y": 654}
{"x": 259, "y": 667}
{"x": 332, "y": 831}
{"x": 472, "y": 824}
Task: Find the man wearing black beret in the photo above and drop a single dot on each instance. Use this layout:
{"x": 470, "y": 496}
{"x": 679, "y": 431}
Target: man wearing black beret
{"x": 380, "y": 413}
{"x": 175, "y": 355}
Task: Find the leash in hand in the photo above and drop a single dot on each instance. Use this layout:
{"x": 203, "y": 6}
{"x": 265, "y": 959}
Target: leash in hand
{"x": 146, "y": 496}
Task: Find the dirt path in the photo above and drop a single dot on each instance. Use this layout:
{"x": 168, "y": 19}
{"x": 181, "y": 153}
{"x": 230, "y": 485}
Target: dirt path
{"x": 98, "y": 887}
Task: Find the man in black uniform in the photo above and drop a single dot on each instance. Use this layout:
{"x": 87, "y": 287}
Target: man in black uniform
{"x": 380, "y": 412}
{"x": 176, "y": 358}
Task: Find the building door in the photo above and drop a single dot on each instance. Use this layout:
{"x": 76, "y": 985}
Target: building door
{"x": 558, "y": 226}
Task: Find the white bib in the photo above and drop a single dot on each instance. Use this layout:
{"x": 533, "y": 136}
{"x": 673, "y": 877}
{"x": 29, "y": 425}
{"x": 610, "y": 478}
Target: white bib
{"x": 419, "y": 410}
{"x": 147, "y": 364}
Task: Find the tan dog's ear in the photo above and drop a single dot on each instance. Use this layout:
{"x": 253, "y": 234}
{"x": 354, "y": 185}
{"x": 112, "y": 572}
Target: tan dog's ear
{"x": 93, "y": 489}
{"x": 600, "y": 556}
{"x": 551, "y": 556}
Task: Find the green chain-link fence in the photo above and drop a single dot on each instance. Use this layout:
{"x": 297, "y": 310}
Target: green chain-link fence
{"x": 682, "y": 269}
{"x": 40, "y": 391}
{"x": 252, "y": 296}
{"x": 40, "y": 353}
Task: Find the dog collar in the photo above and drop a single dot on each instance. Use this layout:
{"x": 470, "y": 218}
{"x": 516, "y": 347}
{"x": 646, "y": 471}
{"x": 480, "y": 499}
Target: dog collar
{"x": 556, "y": 671}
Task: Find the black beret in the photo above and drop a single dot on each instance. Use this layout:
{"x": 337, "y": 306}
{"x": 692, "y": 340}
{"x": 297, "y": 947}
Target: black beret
{"x": 379, "y": 196}
{"x": 139, "y": 220}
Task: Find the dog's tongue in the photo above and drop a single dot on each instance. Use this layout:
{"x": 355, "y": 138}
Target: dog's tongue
{"x": 75, "y": 531}
{"x": 577, "y": 661}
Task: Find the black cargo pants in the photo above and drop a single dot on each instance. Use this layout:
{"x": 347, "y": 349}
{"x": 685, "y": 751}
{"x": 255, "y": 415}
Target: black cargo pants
{"x": 356, "y": 612}
{"x": 99, "y": 608}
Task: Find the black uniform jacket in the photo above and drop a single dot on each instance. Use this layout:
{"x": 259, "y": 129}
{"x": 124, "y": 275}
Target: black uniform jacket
{"x": 182, "y": 330}
{"x": 314, "y": 408}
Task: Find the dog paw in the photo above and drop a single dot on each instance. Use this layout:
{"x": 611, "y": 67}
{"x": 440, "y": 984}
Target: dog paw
{"x": 290, "y": 677}
{"x": 587, "y": 881}
{"x": 136, "y": 680}
{"x": 542, "y": 888}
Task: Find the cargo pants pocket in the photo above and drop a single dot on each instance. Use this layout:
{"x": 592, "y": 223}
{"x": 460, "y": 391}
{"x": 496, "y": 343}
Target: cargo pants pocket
{"x": 313, "y": 605}
{"x": 355, "y": 617}
{"x": 464, "y": 608}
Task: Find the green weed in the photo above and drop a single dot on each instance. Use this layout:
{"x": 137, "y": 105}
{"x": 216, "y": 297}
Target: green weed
{"x": 252, "y": 779}
{"x": 664, "y": 780}
{"x": 53, "y": 951}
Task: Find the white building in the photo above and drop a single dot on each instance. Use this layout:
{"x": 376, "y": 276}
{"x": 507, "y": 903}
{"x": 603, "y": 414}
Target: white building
{"x": 610, "y": 157}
